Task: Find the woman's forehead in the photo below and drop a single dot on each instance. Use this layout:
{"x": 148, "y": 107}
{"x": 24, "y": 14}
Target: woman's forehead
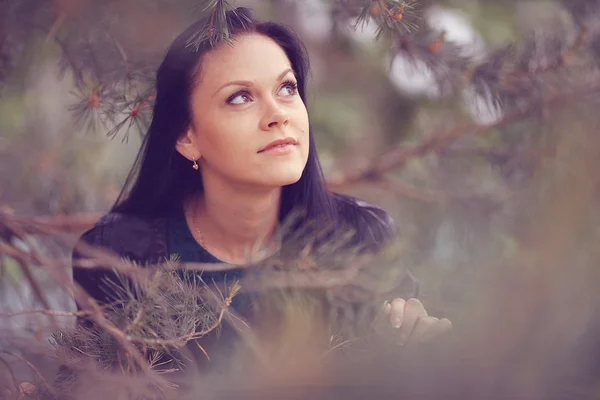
{"x": 250, "y": 57}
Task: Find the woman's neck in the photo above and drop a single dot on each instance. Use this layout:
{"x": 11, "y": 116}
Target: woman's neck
{"x": 234, "y": 224}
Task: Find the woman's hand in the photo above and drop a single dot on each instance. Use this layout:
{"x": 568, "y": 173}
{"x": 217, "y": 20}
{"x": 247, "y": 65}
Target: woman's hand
{"x": 412, "y": 322}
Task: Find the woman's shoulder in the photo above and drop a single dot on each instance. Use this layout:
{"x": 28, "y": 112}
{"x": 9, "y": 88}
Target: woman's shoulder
{"x": 131, "y": 236}
{"x": 374, "y": 226}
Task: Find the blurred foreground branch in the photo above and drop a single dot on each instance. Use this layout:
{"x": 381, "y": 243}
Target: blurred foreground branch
{"x": 438, "y": 142}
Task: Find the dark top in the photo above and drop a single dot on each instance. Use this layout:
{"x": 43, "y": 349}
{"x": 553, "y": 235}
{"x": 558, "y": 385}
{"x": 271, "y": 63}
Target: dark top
{"x": 182, "y": 243}
{"x": 152, "y": 240}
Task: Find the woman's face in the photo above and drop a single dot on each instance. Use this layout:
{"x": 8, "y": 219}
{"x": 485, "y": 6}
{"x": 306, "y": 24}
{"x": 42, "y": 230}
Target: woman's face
{"x": 245, "y": 98}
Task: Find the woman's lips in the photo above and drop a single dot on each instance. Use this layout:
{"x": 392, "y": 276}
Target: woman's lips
{"x": 279, "y": 143}
{"x": 278, "y": 150}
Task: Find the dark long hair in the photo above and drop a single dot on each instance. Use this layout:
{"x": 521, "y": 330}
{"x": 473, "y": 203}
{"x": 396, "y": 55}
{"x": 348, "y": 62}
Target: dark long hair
{"x": 161, "y": 177}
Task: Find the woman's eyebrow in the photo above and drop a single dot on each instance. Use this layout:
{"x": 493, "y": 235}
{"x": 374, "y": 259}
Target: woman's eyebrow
{"x": 250, "y": 83}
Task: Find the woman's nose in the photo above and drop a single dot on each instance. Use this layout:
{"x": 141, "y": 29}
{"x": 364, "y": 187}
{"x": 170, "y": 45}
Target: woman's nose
{"x": 280, "y": 118}
{"x": 275, "y": 116}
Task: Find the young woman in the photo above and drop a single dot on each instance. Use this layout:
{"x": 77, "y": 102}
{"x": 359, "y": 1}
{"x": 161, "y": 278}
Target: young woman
{"x": 229, "y": 155}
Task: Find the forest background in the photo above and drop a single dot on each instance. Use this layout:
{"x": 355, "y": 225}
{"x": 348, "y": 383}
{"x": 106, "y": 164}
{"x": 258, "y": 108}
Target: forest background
{"x": 473, "y": 122}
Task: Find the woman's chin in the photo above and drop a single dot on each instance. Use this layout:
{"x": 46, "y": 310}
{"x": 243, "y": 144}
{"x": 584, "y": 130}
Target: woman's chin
{"x": 284, "y": 179}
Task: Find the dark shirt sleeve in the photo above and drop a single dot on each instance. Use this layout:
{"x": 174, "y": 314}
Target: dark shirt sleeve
{"x": 128, "y": 237}
{"x": 125, "y": 237}
{"x": 93, "y": 281}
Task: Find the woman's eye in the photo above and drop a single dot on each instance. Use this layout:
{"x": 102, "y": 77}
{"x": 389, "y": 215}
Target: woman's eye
{"x": 289, "y": 88}
{"x": 239, "y": 98}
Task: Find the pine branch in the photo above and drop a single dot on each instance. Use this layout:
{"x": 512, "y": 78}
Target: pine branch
{"x": 392, "y": 17}
{"x": 154, "y": 308}
{"x": 59, "y": 273}
{"x": 116, "y": 95}
{"x": 216, "y": 30}
{"x": 437, "y": 142}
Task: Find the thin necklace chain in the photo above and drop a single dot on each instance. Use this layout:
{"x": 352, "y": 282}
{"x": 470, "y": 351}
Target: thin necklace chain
{"x": 200, "y": 235}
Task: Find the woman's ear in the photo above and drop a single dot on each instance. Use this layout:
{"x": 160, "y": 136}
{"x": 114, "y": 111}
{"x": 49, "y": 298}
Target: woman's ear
{"x": 186, "y": 145}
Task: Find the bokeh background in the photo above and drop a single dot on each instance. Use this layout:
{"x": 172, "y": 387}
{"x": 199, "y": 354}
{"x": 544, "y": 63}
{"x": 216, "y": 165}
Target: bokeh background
{"x": 474, "y": 123}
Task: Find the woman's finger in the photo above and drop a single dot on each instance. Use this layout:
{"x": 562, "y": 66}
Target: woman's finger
{"x": 423, "y": 328}
{"x": 397, "y": 312}
{"x": 387, "y": 308}
{"x": 436, "y": 329}
{"x": 413, "y": 310}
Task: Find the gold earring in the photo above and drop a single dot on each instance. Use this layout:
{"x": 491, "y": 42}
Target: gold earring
{"x": 195, "y": 166}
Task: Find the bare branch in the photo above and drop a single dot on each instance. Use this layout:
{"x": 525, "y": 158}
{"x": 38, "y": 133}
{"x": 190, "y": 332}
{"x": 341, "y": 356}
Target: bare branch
{"x": 45, "y": 312}
{"x": 34, "y": 285}
{"x": 402, "y": 154}
{"x": 12, "y": 374}
{"x": 33, "y": 368}
{"x": 68, "y": 223}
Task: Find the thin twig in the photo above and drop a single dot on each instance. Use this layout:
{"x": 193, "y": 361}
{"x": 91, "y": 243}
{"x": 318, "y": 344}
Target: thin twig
{"x": 45, "y": 312}
{"x": 37, "y": 290}
{"x": 100, "y": 258}
{"x": 337, "y": 346}
{"x": 33, "y": 368}
{"x": 301, "y": 279}
{"x": 68, "y": 223}
{"x": 12, "y": 375}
